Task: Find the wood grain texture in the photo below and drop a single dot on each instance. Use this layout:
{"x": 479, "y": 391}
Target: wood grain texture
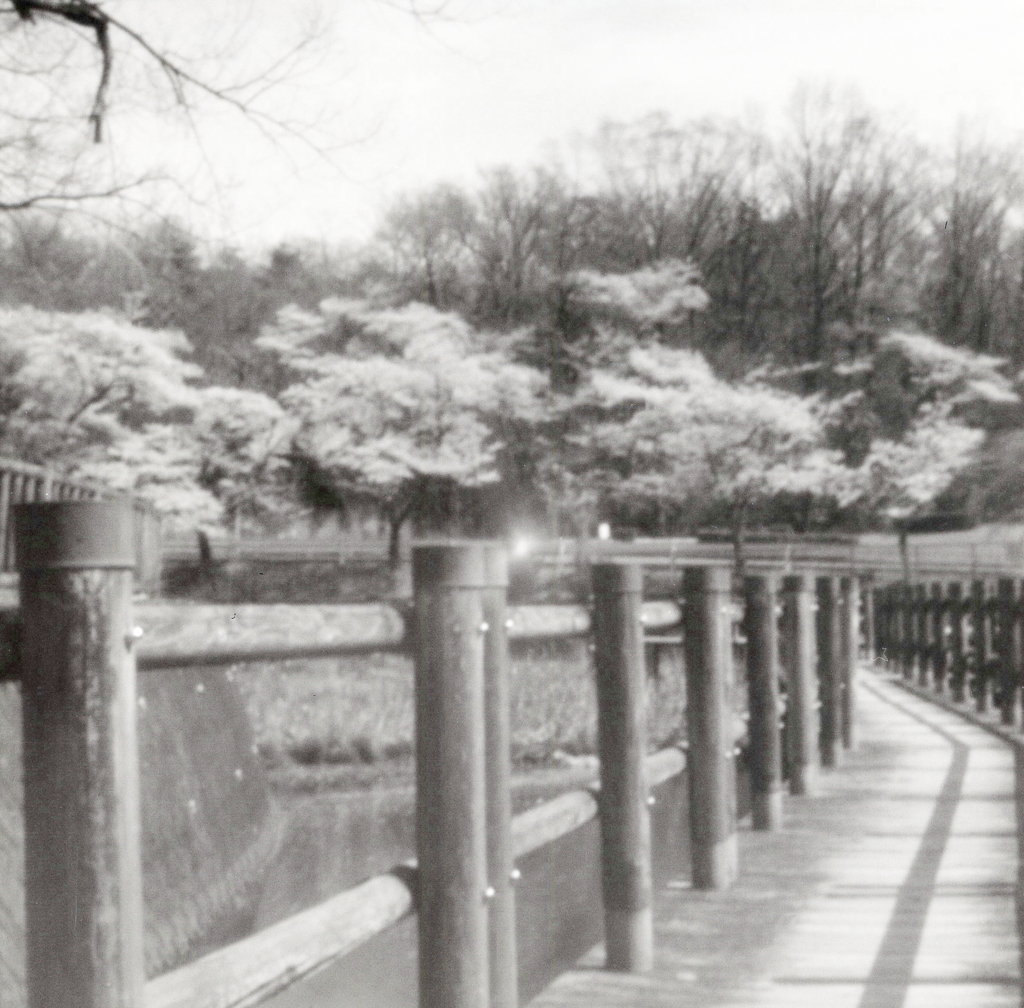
{"x": 711, "y": 760}
{"x": 251, "y": 970}
{"x": 83, "y": 874}
{"x": 451, "y": 833}
{"x": 765, "y": 749}
{"x": 622, "y": 745}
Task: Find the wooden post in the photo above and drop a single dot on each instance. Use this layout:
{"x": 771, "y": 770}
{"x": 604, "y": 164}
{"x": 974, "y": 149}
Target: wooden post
{"x": 829, "y": 661}
{"x": 763, "y": 683}
{"x": 957, "y": 658}
{"x": 15, "y": 496}
{"x": 905, "y": 629}
{"x": 451, "y": 811}
{"x": 83, "y": 874}
{"x": 886, "y": 629}
{"x": 802, "y": 693}
{"x": 939, "y": 662}
{"x": 979, "y": 685}
{"x": 869, "y": 615}
{"x": 880, "y": 631}
{"x": 909, "y": 632}
{"x": 850, "y": 657}
{"x": 893, "y": 623}
{"x": 922, "y": 649}
{"x": 1009, "y": 650}
{"x": 711, "y": 768}
{"x": 6, "y": 536}
{"x": 498, "y": 761}
{"x": 622, "y": 743}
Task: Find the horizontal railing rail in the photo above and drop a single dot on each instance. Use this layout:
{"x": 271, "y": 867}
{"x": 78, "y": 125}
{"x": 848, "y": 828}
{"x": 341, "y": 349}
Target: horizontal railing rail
{"x": 388, "y": 633}
{"x": 339, "y": 550}
{"x": 882, "y": 555}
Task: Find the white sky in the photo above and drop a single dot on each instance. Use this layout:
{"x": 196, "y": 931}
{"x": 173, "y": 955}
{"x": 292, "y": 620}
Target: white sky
{"x": 504, "y": 79}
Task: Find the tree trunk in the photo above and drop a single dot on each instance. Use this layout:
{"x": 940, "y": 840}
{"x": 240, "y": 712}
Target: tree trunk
{"x": 394, "y": 540}
{"x": 739, "y": 540}
{"x": 399, "y": 558}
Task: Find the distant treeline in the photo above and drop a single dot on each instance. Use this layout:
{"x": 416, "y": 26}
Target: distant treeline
{"x": 808, "y": 242}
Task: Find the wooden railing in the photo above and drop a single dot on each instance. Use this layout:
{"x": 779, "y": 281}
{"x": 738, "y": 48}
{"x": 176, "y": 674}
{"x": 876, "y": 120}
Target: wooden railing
{"x": 22, "y": 482}
{"x": 73, "y": 647}
{"x": 880, "y": 555}
{"x": 962, "y": 639}
{"x": 884, "y": 555}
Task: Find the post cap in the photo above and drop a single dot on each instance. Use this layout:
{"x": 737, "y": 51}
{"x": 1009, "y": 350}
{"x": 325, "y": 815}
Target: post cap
{"x": 451, "y": 564}
{"x": 707, "y": 579}
{"x": 798, "y": 583}
{"x": 496, "y": 564}
{"x": 617, "y": 578}
{"x": 74, "y": 535}
{"x": 763, "y": 581}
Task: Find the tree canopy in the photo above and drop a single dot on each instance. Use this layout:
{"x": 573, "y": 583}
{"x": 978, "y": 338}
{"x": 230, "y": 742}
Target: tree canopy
{"x": 404, "y": 414}
{"x": 700, "y": 325}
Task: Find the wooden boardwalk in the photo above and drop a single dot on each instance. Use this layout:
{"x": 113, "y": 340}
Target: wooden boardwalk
{"x": 896, "y": 887}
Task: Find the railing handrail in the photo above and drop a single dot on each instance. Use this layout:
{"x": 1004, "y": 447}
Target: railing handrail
{"x": 527, "y": 623}
{"x": 876, "y": 553}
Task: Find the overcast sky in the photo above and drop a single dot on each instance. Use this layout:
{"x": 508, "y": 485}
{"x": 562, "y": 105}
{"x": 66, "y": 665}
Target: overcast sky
{"x": 502, "y": 80}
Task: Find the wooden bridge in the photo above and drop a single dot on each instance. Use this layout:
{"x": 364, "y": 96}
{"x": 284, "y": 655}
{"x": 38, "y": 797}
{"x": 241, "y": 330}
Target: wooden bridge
{"x": 870, "y": 859}
{"x": 896, "y": 885}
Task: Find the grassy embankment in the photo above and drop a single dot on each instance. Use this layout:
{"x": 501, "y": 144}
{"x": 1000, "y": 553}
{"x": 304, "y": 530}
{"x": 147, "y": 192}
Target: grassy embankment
{"x": 349, "y": 722}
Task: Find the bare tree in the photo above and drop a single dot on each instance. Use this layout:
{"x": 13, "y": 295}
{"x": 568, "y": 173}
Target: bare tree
{"x": 425, "y": 238}
{"x": 828, "y": 137}
{"x": 666, "y": 186}
{"x": 68, "y": 68}
{"x": 849, "y": 187}
{"x": 508, "y": 242}
{"x": 972, "y": 274}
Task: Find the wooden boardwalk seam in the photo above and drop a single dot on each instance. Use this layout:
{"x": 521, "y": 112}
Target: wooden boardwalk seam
{"x": 896, "y": 887}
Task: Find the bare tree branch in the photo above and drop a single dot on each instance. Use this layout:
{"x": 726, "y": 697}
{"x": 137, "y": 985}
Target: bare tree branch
{"x": 98, "y": 21}
{"x": 86, "y": 15}
{"x": 62, "y": 197}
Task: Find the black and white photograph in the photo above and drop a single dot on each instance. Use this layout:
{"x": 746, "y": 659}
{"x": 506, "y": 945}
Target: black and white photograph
{"x": 511, "y": 503}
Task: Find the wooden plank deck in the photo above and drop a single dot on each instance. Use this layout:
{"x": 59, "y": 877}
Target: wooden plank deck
{"x": 897, "y": 887}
